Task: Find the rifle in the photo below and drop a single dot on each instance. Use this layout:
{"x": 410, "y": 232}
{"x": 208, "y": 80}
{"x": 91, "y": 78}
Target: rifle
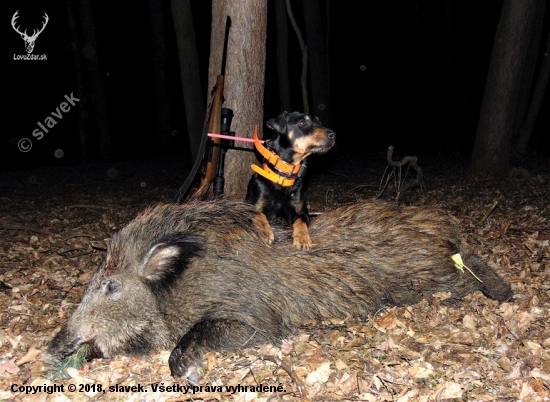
{"x": 211, "y": 161}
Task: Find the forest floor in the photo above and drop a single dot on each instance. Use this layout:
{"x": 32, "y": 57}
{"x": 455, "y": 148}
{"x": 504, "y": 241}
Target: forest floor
{"x": 53, "y": 223}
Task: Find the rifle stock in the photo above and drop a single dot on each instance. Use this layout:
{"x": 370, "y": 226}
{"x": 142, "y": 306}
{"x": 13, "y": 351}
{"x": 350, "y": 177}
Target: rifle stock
{"x": 214, "y": 126}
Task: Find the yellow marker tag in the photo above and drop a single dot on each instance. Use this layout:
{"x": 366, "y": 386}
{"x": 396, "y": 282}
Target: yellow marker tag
{"x": 459, "y": 264}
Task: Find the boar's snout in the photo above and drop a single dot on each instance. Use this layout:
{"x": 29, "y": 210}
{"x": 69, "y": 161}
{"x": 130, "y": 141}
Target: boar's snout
{"x": 61, "y": 347}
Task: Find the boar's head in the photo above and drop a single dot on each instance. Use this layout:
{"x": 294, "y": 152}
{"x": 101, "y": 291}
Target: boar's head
{"x": 122, "y": 311}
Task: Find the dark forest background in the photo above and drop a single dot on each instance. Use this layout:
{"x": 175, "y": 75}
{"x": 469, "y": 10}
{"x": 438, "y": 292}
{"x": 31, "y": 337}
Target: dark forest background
{"x": 410, "y": 74}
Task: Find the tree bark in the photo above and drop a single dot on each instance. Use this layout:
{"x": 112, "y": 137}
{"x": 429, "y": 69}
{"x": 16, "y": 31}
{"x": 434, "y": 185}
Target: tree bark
{"x": 528, "y": 75}
{"x": 536, "y": 102}
{"x": 244, "y": 78}
{"x": 189, "y": 70}
{"x": 491, "y": 154}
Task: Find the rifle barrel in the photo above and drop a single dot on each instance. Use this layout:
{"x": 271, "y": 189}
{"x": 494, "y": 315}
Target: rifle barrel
{"x": 225, "y": 42}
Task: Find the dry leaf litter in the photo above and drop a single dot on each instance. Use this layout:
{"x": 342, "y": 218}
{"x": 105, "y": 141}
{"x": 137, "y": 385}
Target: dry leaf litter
{"x": 53, "y": 223}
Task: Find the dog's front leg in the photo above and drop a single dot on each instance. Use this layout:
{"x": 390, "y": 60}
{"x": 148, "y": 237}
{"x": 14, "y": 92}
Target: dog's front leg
{"x": 262, "y": 224}
{"x": 301, "y": 235}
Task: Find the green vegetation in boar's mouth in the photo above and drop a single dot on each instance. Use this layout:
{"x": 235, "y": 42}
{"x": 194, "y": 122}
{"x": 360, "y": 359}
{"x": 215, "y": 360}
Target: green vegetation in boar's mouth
{"x": 76, "y": 360}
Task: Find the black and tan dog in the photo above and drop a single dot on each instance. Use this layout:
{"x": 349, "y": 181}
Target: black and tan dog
{"x": 277, "y": 187}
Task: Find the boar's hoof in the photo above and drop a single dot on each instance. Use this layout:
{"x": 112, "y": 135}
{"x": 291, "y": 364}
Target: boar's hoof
{"x": 186, "y": 359}
{"x": 181, "y": 367}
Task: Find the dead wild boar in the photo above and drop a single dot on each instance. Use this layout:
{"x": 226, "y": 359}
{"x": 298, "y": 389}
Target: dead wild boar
{"x": 197, "y": 277}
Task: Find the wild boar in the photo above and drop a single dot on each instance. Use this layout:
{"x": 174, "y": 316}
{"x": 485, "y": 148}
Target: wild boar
{"x": 196, "y": 277}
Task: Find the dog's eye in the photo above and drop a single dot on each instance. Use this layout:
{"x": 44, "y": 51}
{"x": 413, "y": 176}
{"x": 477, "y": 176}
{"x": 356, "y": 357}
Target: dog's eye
{"x": 302, "y": 123}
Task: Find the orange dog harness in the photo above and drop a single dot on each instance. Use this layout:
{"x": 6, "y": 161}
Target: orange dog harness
{"x": 278, "y": 164}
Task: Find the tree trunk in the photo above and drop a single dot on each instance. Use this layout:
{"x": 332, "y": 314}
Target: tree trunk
{"x": 160, "y": 141}
{"x": 317, "y": 61}
{"x": 244, "y": 78}
{"x": 189, "y": 71}
{"x": 536, "y": 102}
{"x": 95, "y": 90}
{"x": 491, "y": 154}
{"x": 282, "y": 55}
{"x": 79, "y": 76}
{"x": 528, "y": 74}
{"x": 452, "y": 87}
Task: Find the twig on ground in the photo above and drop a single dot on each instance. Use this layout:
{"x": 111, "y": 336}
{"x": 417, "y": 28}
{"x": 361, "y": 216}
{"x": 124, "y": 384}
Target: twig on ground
{"x": 491, "y": 209}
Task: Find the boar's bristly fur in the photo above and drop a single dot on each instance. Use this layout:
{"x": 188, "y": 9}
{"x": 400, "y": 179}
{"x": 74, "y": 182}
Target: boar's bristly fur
{"x": 197, "y": 277}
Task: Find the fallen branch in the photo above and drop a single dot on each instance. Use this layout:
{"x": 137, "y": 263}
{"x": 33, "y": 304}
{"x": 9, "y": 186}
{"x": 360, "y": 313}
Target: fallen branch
{"x": 22, "y": 228}
{"x": 73, "y": 252}
{"x": 298, "y": 381}
{"x": 78, "y": 235}
{"x": 200, "y": 396}
{"x": 88, "y": 206}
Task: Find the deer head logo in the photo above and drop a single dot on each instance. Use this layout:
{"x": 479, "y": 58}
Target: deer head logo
{"x": 29, "y": 40}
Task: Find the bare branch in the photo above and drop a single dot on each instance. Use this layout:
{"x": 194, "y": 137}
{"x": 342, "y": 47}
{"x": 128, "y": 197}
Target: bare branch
{"x": 401, "y": 186}
{"x": 303, "y": 47}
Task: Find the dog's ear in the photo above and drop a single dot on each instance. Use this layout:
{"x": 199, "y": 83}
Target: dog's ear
{"x": 278, "y": 123}
{"x": 272, "y": 142}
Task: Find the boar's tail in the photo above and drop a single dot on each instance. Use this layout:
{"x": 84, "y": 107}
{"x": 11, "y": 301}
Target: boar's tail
{"x": 492, "y": 284}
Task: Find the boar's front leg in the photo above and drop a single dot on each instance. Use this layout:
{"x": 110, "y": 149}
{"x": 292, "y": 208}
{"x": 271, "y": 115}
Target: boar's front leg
{"x": 222, "y": 335}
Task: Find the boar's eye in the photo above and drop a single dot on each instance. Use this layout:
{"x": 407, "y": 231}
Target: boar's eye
{"x": 110, "y": 287}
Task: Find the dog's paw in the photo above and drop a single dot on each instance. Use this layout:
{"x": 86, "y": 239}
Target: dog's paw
{"x": 302, "y": 240}
{"x": 264, "y": 229}
{"x": 270, "y": 238}
{"x": 302, "y": 244}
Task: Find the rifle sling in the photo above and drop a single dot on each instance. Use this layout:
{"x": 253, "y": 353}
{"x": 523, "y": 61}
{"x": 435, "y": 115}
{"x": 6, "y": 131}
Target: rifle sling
{"x": 200, "y": 156}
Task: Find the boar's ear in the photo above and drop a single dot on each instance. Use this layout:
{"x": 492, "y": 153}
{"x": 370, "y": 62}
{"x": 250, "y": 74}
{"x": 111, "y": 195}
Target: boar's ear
{"x": 165, "y": 262}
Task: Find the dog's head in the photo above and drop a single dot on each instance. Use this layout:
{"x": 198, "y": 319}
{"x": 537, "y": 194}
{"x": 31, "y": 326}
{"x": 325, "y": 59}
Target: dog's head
{"x": 298, "y": 135}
